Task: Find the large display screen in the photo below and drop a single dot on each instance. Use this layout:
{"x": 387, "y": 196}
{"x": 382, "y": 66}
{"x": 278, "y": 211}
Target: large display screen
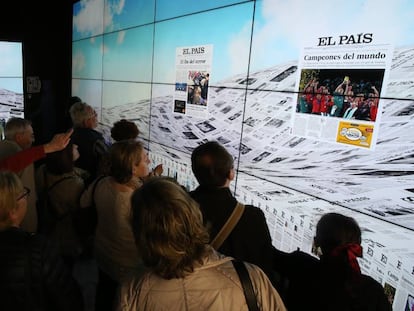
{"x": 11, "y": 82}
{"x": 314, "y": 99}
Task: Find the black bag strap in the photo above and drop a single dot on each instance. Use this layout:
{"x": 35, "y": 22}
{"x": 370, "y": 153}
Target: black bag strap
{"x": 58, "y": 182}
{"x": 47, "y": 190}
{"x": 246, "y": 284}
{"x": 95, "y": 183}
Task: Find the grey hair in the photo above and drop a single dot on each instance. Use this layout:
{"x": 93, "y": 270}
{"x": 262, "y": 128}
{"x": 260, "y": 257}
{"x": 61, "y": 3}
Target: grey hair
{"x": 79, "y": 113}
{"x": 15, "y": 126}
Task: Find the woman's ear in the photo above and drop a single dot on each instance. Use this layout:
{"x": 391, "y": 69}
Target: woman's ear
{"x": 231, "y": 174}
{"x": 15, "y": 216}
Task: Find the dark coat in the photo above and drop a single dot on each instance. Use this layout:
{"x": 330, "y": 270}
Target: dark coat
{"x": 92, "y": 148}
{"x": 250, "y": 239}
{"x": 33, "y": 276}
{"x": 321, "y": 285}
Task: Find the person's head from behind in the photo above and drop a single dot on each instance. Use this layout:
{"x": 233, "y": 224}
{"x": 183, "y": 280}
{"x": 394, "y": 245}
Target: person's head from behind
{"x": 124, "y": 129}
{"x": 13, "y": 204}
{"x": 61, "y": 162}
{"x": 83, "y": 115}
{"x": 20, "y": 131}
{"x": 73, "y": 100}
{"x": 212, "y": 165}
{"x": 128, "y": 159}
{"x": 168, "y": 228}
{"x": 335, "y": 230}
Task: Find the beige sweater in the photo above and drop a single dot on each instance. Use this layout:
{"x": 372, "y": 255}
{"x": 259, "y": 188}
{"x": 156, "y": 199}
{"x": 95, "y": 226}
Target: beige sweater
{"x": 115, "y": 249}
{"x": 214, "y": 285}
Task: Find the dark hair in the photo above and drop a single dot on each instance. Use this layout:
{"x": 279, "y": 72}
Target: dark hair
{"x": 60, "y": 162}
{"x": 168, "y": 228}
{"x": 124, "y": 129}
{"x": 334, "y": 230}
{"x": 211, "y": 164}
{"x": 73, "y": 99}
{"x": 123, "y": 155}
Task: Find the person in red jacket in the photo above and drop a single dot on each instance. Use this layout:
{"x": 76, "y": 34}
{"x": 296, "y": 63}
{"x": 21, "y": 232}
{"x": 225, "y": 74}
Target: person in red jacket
{"x": 21, "y": 159}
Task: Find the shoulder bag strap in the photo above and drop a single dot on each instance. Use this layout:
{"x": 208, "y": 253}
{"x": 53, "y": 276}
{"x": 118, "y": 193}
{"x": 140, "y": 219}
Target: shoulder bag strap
{"x": 58, "y": 182}
{"x": 246, "y": 283}
{"x": 47, "y": 190}
{"x": 228, "y": 226}
{"x": 94, "y": 187}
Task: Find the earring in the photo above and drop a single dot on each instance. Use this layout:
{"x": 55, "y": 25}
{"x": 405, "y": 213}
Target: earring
{"x": 319, "y": 252}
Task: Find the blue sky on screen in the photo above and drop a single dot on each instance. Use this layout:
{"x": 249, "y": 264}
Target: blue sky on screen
{"x": 87, "y": 58}
{"x": 11, "y": 66}
{"x": 282, "y": 28}
{"x": 128, "y": 54}
{"x": 169, "y": 9}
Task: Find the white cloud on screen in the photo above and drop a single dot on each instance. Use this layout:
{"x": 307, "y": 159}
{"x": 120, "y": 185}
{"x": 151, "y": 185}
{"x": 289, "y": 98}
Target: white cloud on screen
{"x": 113, "y": 8}
{"x": 78, "y": 62}
{"x": 118, "y": 6}
{"x": 121, "y": 37}
{"x": 287, "y": 26}
{"x": 238, "y": 50}
{"x": 89, "y": 19}
{"x": 310, "y": 19}
{"x": 104, "y": 48}
{"x": 13, "y": 55}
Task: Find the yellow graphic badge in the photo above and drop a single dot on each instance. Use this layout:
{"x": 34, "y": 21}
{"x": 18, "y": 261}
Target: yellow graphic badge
{"x": 355, "y": 134}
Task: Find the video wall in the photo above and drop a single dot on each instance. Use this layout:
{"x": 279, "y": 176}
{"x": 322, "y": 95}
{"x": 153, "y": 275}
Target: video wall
{"x": 314, "y": 99}
{"x": 11, "y": 82}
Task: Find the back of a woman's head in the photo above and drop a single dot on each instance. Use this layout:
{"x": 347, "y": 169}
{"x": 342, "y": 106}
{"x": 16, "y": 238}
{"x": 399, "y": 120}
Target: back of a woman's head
{"x": 168, "y": 228}
{"x": 334, "y": 230}
{"x": 10, "y": 188}
{"x": 123, "y": 155}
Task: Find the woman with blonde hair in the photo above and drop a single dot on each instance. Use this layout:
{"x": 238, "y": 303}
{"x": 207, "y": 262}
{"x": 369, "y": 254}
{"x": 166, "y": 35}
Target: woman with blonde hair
{"x": 116, "y": 254}
{"x": 32, "y": 274}
{"x": 185, "y": 273}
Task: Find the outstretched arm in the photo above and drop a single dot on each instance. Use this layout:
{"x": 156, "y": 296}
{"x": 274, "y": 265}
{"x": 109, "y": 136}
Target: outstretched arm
{"x": 20, "y": 160}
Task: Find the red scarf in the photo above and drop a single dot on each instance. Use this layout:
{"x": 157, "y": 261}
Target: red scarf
{"x": 353, "y": 251}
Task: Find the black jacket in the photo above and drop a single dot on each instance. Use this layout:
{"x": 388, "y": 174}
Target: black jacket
{"x": 250, "y": 239}
{"x": 92, "y": 148}
{"x": 321, "y": 285}
{"x": 33, "y": 276}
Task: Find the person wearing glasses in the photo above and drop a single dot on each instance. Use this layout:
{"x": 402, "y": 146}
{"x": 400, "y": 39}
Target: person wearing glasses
{"x": 32, "y": 275}
{"x": 91, "y": 143}
{"x": 19, "y": 136}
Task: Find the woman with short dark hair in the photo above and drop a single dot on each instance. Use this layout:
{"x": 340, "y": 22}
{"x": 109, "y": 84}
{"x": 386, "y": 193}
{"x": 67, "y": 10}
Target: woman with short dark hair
{"x": 335, "y": 281}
